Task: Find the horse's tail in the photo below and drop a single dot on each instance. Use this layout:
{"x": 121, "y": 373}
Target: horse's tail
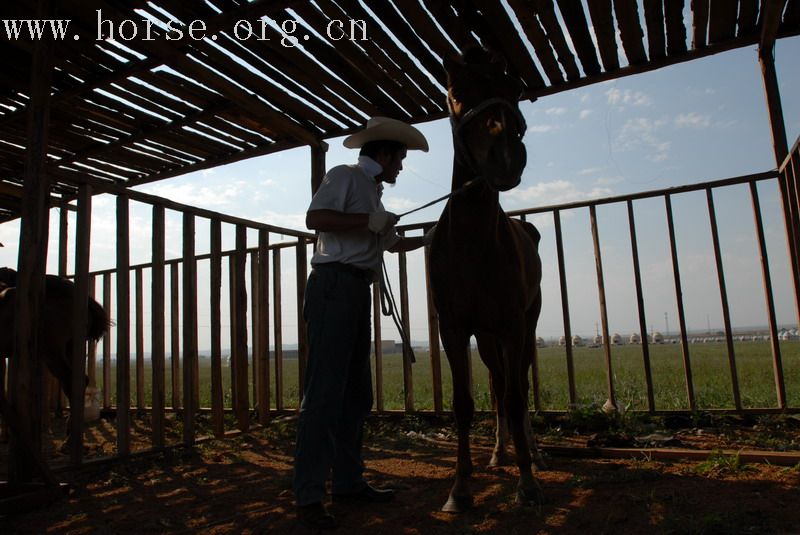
{"x": 99, "y": 322}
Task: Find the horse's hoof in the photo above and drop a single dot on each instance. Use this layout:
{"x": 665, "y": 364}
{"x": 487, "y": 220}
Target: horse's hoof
{"x": 530, "y": 496}
{"x": 457, "y": 504}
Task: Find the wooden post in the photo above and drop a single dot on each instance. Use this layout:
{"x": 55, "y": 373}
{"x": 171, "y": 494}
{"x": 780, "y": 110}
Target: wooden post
{"x": 433, "y": 339}
{"x": 240, "y": 340}
{"x": 175, "y": 336}
{"x": 139, "y": 311}
{"x": 302, "y": 342}
{"x": 254, "y": 317}
{"x": 278, "y": 325}
{"x": 376, "y": 322}
{"x": 318, "y": 165}
{"x": 123, "y": 328}
{"x": 107, "y": 343}
{"x": 562, "y": 278}
{"x": 79, "y": 321}
{"x": 263, "y": 327}
{"x": 190, "y": 403}
{"x": 770, "y": 21}
{"x": 26, "y": 390}
{"x": 601, "y": 289}
{"x": 157, "y": 357}
{"x": 408, "y": 377}
{"x": 217, "y": 397}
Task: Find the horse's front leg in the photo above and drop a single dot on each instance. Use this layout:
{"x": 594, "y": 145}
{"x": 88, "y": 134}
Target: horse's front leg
{"x": 490, "y": 354}
{"x": 456, "y": 345}
{"x": 516, "y": 401}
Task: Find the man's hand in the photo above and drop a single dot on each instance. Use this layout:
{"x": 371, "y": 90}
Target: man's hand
{"x": 382, "y": 222}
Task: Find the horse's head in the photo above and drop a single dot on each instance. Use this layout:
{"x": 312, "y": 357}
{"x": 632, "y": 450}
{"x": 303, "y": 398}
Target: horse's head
{"x": 487, "y": 124}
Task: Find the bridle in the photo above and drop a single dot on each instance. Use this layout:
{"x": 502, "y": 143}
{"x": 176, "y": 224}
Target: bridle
{"x": 463, "y": 154}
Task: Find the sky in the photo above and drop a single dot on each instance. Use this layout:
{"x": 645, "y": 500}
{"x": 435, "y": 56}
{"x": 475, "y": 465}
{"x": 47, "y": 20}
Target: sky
{"x": 688, "y": 123}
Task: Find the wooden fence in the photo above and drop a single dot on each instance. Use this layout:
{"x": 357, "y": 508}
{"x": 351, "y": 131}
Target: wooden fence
{"x": 257, "y": 347}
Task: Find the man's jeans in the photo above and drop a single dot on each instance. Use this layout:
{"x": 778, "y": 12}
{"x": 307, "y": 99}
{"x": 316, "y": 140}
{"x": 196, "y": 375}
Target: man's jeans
{"x": 338, "y": 385}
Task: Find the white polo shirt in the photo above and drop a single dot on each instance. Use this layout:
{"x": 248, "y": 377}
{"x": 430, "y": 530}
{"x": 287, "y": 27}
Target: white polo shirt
{"x": 352, "y": 189}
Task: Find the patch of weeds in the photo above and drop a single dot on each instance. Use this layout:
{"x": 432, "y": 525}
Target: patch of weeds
{"x": 720, "y": 464}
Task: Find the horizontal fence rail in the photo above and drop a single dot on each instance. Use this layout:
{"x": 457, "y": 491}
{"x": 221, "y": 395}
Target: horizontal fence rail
{"x": 164, "y": 307}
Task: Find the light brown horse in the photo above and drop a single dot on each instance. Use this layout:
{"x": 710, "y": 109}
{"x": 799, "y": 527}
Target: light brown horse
{"x": 55, "y": 341}
{"x": 485, "y": 269}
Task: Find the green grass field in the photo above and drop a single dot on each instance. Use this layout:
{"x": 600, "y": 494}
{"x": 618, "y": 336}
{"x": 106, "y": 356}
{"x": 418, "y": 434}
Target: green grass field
{"x": 709, "y": 364}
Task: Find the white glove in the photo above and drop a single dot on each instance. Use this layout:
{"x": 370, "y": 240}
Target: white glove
{"x": 381, "y": 222}
{"x": 427, "y": 238}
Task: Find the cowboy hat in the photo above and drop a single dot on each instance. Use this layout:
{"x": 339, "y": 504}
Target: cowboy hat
{"x": 385, "y": 128}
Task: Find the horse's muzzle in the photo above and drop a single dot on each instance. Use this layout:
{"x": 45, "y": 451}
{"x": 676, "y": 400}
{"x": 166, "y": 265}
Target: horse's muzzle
{"x": 505, "y": 173}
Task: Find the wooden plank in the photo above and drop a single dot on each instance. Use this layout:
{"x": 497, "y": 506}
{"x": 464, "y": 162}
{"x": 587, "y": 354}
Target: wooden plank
{"x": 254, "y": 317}
{"x": 139, "y": 311}
{"x": 240, "y": 288}
{"x": 217, "y": 398}
{"x": 676, "y": 28}
{"x": 748, "y": 17}
{"x": 233, "y": 358}
{"x": 424, "y": 25}
{"x": 552, "y": 27}
{"x": 723, "y": 292}
{"x": 278, "y": 326}
{"x": 262, "y": 334}
{"x": 25, "y": 445}
{"x": 637, "y": 277}
{"x": 630, "y": 31}
{"x": 433, "y": 339}
{"x": 601, "y": 293}
{"x": 448, "y": 19}
{"x": 302, "y": 335}
{"x": 575, "y": 20}
{"x": 377, "y": 346}
{"x": 190, "y": 402}
{"x": 123, "y": 328}
{"x": 157, "y": 319}
{"x": 791, "y": 16}
{"x": 408, "y": 377}
{"x": 655, "y": 20}
{"x": 107, "y": 343}
{"x": 699, "y": 23}
{"x": 175, "y": 336}
{"x": 687, "y": 363}
{"x": 91, "y": 358}
{"x": 535, "y": 34}
{"x": 722, "y": 20}
{"x": 602, "y": 17}
{"x": 562, "y": 279}
{"x": 777, "y": 363}
{"x": 80, "y": 320}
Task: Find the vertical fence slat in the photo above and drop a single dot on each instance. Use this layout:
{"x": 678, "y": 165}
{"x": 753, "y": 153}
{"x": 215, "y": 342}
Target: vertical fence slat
{"x": 175, "y": 336}
{"x": 158, "y": 333}
{"x": 408, "y": 376}
{"x": 233, "y": 359}
{"x": 190, "y": 404}
{"x": 302, "y": 342}
{"x": 637, "y": 277}
{"x": 254, "y": 318}
{"x": 278, "y": 325}
{"x": 242, "y": 390}
{"x": 80, "y": 316}
{"x": 601, "y": 293}
{"x": 123, "y": 328}
{"x": 777, "y": 364}
{"x": 687, "y": 365}
{"x": 263, "y": 327}
{"x": 139, "y": 310}
{"x": 790, "y": 198}
{"x": 91, "y": 357}
{"x": 433, "y": 339}
{"x": 723, "y": 292}
{"x": 107, "y": 343}
{"x": 217, "y": 398}
{"x": 562, "y": 279}
{"x": 378, "y": 346}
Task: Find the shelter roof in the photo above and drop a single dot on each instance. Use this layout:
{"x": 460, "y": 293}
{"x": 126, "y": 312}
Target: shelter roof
{"x": 185, "y": 86}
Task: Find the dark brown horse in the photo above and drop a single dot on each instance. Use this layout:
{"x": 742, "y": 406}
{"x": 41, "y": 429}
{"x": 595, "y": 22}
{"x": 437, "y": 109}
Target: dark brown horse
{"x": 55, "y": 341}
{"x": 484, "y": 266}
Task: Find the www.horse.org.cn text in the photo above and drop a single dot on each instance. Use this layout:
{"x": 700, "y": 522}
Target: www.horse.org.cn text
{"x": 288, "y": 32}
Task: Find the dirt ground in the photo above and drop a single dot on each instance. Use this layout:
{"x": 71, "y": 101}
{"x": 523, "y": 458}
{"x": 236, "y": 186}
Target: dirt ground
{"x": 242, "y": 485}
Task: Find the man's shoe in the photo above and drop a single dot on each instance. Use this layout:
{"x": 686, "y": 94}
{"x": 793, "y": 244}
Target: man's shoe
{"x": 315, "y": 516}
{"x": 368, "y": 494}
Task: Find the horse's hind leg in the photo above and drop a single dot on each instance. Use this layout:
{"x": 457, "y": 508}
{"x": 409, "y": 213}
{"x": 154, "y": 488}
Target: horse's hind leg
{"x": 490, "y": 354}
{"x": 456, "y": 346}
{"x": 532, "y": 318}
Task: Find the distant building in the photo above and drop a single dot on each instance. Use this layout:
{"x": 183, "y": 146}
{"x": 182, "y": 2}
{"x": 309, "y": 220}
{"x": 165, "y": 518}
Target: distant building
{"x": 616, "y": 339}
{"x": 657, "y": 338}
{"x": 577, "y": 341}
{"x": 540, "y": 342}
{"x": 635, "y": 339}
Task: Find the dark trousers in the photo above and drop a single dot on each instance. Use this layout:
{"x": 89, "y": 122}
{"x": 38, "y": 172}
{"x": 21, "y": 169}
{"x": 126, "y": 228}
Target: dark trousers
{"x": 337, "y": 394}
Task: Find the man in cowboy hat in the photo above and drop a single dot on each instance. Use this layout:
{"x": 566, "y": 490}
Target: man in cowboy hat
{"x": 354, "y": 230}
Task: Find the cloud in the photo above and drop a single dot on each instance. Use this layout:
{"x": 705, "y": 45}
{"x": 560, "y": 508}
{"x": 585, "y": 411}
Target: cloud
{"x": 693, "y": 120}
{"x": 295, "y": 221}
{"x": 641, "y": 133}
{"x": 541, "y": 128}
{"x": 554, "y": 192}
{"x": 584, "y": 114}
{"x": 559, "y": 110}
{"x": 590, "y": 170}
{"x": 203, "y": 196}
{"x": 627, "y": 97}
{"x": 399, "y": 204}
